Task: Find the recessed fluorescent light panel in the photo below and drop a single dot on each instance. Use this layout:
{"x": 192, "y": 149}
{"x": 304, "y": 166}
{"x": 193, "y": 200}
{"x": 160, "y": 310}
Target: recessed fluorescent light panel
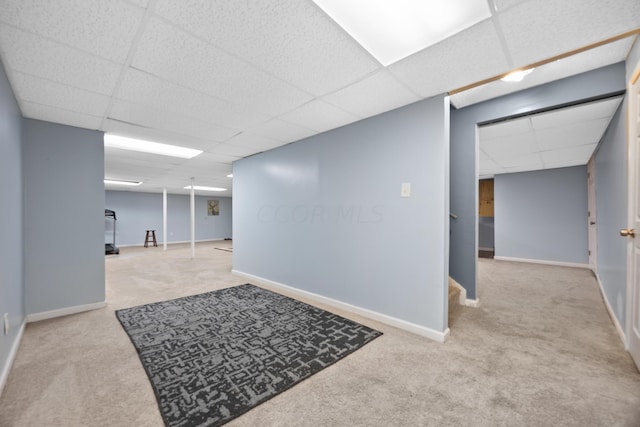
{"x": 124, "y": 183}
{"x": 393, "y": 30}
{"x": 201, "y": 188}
{"x": 124, "y": 143}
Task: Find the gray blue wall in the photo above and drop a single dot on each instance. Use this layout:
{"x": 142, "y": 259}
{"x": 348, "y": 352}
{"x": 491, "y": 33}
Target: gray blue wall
{"x": 486, "y": 233}
{"x": 542, "y": 215}
{"x": 137, "y": 212}
{"x": 611, "y": 209}
{"x": 325, "y": 214}
{"x": 464, "y": 179}
{"x": 63, "y": 216}
{"x": 11, "y": 249}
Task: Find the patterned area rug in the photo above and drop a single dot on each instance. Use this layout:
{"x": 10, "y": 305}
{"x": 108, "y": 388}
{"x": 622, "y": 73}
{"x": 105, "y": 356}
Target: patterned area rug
{"x": 212, "y": 357}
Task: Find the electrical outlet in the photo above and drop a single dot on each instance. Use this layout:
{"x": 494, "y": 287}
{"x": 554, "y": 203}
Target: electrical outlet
{"x": 6, "y": 323}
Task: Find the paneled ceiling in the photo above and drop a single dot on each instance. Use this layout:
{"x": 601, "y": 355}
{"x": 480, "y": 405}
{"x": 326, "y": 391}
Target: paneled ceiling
{"x": 558, "y": 138}
{"x": 234, "y": 78}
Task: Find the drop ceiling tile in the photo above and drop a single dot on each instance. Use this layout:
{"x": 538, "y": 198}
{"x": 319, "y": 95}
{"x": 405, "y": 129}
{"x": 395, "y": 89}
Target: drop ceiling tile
{"x": 572, "y": 135}
{"x": 503, "y": 129}
{"x": 319, "y": 116}
{"x": 140, "y": 3}
{"x": 580, "y": 154}
{"x": 565, "y": 164}
{"x": 531, "y": 161}
{"x": 446, "y": 65}
{"x": 506, "y": 147}
{"x": 258, "y": 142}
{"x": 208, "y": 160}
{"x": 488, "y": 167}
{"x": 540, "y": 29}
{"x": 163, "y": 120}
{"x": 176, "y": 56}
{"x": 502, "y": 5}
{"x": 122, "y": 175}
{"x": 570, "y": 66}
{"x": 325, "y": 56}
{"x": 282, "y": 131}
{"x": 373, "y": 95}
{"x": 34, "y": 55}
{"x": 46, "y": 92}
{"x": 102, "y": 27}
{"x": 516, "y": 169}
{"x": 118, "y": 154}
{"x": 579, "y": 113}
{"x": 133, "y": 170}
{"x": 146, "y": 89}
{"x": 233, "y": 150}
{"x": 150, "y": 134}
{"x": 129, "y": 173}
{"x": 48, "y": 113}
{"x": 482, "y": 156}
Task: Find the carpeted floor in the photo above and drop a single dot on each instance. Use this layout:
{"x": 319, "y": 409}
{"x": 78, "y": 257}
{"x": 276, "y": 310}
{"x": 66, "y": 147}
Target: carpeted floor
{"x": 540, "y": 351}
{"x": 213, "y": 356}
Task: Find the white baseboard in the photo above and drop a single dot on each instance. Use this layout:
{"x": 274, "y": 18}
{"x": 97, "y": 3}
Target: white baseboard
{"x": 12, "y": 356}
{"x": 35, "y": 317}
{"x": 612, "y": 315}
{"x": 539, "y": 261}
{"x": 382, "y": 318}
{"x": 171, "y": 243}
{"x": 463, "y": 295}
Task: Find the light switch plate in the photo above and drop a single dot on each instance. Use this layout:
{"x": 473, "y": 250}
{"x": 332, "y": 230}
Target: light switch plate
{"x": 405, "y": 189}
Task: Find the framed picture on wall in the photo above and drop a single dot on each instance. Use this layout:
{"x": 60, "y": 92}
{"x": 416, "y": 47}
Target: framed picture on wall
{"x": 213, "y": 207}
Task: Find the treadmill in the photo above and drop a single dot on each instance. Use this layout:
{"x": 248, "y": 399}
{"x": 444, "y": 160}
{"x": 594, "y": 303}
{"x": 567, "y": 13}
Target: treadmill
{"x": 110, "y": 218}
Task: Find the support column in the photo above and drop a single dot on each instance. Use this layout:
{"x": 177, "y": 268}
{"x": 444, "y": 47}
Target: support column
{"x": 164, "y": 218}
{"x": 193, "y": 221}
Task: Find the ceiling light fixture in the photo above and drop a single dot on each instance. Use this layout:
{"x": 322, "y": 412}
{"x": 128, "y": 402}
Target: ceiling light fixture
{"x": 125, "y": 143}
{"x": 230, "y": 175}
{"x": 391, "y": 31}
{"x": 120, "y": 182}
{"x": 201, "y": 188}
{"x": 517, "y": 76}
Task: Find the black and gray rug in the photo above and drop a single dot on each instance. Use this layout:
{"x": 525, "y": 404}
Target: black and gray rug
{"x": 212, "y": 357}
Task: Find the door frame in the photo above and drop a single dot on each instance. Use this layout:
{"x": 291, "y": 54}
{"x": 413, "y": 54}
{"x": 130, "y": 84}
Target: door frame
{"x": 592, "y": 223}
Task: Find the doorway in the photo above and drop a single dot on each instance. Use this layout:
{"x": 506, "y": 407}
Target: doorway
{"x": 486, "y": 232}
{"x": 541, "y": 182}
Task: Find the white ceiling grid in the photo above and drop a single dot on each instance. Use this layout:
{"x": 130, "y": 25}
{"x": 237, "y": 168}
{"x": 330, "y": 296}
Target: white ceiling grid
{"x": 560, "y": 138}
{"x": 539, "y": 29}
{"x": 238, "y": 77}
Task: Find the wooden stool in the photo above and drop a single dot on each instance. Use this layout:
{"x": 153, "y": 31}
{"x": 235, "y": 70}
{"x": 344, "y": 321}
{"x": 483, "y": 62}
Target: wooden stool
{"x": 150, "y": 237}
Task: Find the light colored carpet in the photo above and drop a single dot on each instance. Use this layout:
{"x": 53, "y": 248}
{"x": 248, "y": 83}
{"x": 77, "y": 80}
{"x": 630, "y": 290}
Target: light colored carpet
{"x": 540, "y": 351}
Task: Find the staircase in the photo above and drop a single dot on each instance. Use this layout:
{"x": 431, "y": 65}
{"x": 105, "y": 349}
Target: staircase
{"x": 454, "y": 302}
